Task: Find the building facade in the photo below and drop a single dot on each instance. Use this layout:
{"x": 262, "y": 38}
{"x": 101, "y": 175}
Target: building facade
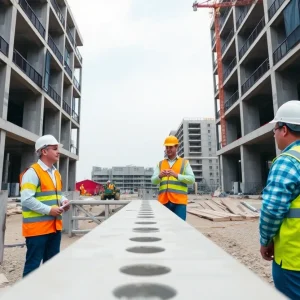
{"x": 40, "y": 86}
{"x": 260, "y": 60}
{"x": 197, "y": 143}
{"x": 127, "y": 179}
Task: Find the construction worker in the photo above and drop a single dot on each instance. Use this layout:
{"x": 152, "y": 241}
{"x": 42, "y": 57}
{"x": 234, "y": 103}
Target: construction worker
{"x": 173, "y": 175}
{"x": 280, "y": 213}
{"x": 109, "y": 185}
{"x": 41, "y": 198}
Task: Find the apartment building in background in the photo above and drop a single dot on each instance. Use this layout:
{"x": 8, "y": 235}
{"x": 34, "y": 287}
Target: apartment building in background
{"x": 197, "y": 143}
{"x": 40, "y": 86}
{"x": 127, "y": 178}
{"x": 261, "y": 59}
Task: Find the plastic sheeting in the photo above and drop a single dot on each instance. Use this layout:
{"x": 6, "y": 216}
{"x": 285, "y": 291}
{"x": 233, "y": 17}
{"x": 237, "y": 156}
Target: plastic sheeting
{"x": 291, "y": 16}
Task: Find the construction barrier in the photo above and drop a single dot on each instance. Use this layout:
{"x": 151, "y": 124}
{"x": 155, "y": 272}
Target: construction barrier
{"x": 144, "y": 251}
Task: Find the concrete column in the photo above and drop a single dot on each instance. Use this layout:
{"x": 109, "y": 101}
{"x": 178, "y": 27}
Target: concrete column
{"x": 32, "y": 114}
{"x": 65, "y": 137}
{"x": 231, "y": 130}
{"x": 28, "y": 158}
{"x": 2, "y": 150}
{"x": 4, "y": 90}
{"x": 3, "y": 208}
{"x": 286, "y": 87}
{"x": 228, "y": 171}
{"x": 36, "y": 57}
{"x": 63, "y": 170}
{"x": 52, "y": 123}
{"x": 44, "y": 15}
{"x": 250, "y": 117}
{"x": 72, "y": 175}
{"x": 251, "y": 167}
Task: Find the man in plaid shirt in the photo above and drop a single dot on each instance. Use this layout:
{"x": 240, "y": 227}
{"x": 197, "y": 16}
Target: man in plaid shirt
{"x": 280, "y": 214}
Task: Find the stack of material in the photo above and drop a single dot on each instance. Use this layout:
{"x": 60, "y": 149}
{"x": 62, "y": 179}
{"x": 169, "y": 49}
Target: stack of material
{"x": 224, "y": 209}
{"x": 13, "y": 210}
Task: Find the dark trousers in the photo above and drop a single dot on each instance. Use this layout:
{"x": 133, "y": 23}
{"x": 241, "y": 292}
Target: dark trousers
{"x": 41, "y": 248}
{"x": 177, "y": 209}
{"x": 286, "y": 281}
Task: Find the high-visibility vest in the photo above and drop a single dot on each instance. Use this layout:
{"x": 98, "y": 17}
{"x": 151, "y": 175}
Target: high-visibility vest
{"x": 170, "y": 188}
{"x": 35, "y": 223}
{"x": 287, "y": 240}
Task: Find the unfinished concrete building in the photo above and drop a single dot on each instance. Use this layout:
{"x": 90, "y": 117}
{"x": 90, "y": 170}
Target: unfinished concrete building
{"x": 40, "y": 86}
{"x": 197, "y": 143}
{"x": 260, "y": 59}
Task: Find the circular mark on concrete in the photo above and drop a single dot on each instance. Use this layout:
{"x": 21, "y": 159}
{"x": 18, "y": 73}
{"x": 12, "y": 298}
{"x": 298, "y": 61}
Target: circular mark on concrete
{"x": 145, "y": 270}
{"x": 145, "y": 223}
{"x": 145, "y": 249}
{"x": 145, "y": 229}
{"x": 145, "y": 217}
{"x": 144, "y": 291}
{"x": 144, "y": 239}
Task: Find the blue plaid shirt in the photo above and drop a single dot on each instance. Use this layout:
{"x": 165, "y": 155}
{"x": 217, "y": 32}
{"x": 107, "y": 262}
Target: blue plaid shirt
{"x": 283, "y": 186}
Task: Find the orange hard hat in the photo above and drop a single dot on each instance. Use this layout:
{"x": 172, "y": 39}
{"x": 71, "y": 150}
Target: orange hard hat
{"x": 171, "y": 140}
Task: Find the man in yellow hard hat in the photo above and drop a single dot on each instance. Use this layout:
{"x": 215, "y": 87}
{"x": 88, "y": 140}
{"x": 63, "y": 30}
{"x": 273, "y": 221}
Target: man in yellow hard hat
{"x": 173, "y": 175}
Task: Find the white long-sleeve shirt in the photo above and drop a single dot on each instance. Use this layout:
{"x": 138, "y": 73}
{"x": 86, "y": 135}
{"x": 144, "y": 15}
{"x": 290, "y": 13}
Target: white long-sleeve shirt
{"x": 27, "y": 196}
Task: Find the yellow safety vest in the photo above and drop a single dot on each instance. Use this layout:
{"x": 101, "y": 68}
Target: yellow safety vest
{"x": 287, "y": 240}
{"x": 170, "y": 188}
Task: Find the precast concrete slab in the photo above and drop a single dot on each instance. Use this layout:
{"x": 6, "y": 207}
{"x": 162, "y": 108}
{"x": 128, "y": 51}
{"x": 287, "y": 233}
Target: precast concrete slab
{"x": 127, "y": 257}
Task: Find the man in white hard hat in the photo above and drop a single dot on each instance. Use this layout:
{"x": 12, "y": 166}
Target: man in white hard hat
{"x": 41, "y": 199}
{"x": 280, "y": 214}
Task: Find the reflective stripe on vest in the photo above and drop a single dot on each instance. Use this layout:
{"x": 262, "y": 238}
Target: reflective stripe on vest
{"x": 287, "y": 240}
{"x": 35, "y": 223}
{"x": 170, "y": 188}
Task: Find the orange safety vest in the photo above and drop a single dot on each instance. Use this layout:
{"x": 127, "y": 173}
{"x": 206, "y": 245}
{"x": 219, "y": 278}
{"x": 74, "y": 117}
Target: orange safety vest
{"x": 35, "y": 223}
{"x": 170, "y": 188}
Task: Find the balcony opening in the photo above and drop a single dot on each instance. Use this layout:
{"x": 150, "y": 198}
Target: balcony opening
{"x": 24, "y": 106}
{"x": 246, "y": 19}
{"x": 284, "y": 39}
{"x": 65, "y": 132}
{"x": 51, "y": 119}
{"x": 226, "y": 24}
{"x": 53, "y": 79}
{"x": 70, "y": 27}
{"x": 59, "y": 8}
{"x": 67, "y": 98}
{"x": 76, "y": 81}
{"x": 231, "y": 93}
{"x": 233, "y": 126}
{"x": 229, "y": 65}
{"x": 56, "y": 37}
{"x": 231, "y": 165}
{"x": 74, "y": 140}
{"x": 28, "y": 51}
{"x": 18, "y": 155}
{"x": 258, "y": 107}
{"x": 68, "y": 61}
{"x": 248, "y": 35}
{"x": 228, "y": 44}
{"x": 274, "y": 5}
{"x": 288, "y": 83}
{"x": 36, "y": 12}
{"x": 194, "y": 125}
{"x": 255, "y": 64}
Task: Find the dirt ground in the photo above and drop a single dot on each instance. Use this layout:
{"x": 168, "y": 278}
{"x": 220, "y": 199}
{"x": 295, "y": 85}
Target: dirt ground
{"x": 239, "y": 238}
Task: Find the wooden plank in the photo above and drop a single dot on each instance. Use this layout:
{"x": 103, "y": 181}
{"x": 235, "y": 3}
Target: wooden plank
{"x": 214, "y": 206}
{"x": 214, "y": 214}
{"x": 205, "y": 215}
{"x": 232, "y": 217}
{"x": 220, "y": 204}
{"x": 232, "y": 207}
{"x": 3, "y": 208}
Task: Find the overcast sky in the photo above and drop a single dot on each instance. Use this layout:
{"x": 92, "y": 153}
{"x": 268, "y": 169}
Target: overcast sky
{"x": 146, "y": 65}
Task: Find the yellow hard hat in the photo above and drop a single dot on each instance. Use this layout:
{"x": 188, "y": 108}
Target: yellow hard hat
{"x": 171, "y": 140}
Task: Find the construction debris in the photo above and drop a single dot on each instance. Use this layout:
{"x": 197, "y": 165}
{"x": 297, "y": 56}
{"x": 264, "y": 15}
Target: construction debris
{"x": 13, "y": 210}
{"x": 220, "y": 210}
{"x": 3, "y": 280}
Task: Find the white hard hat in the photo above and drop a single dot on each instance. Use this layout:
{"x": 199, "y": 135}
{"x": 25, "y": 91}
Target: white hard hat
{"x": 289, "y": 113}
{"x": 46, "y": 140}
